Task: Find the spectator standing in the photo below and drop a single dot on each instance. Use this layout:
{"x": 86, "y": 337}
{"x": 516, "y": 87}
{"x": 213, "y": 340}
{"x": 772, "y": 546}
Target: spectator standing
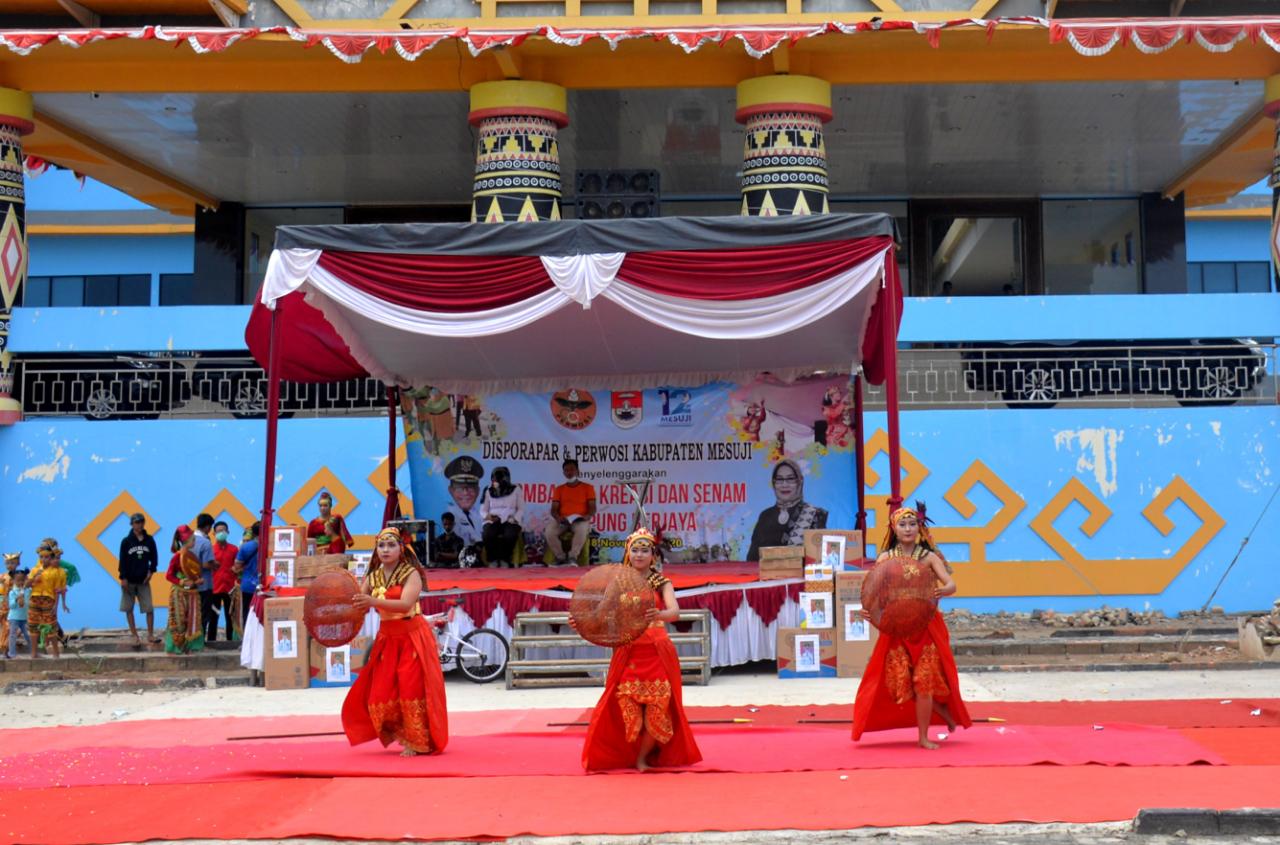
{"x": 11, "y": 562}
{"x": 329, "y": 530}
{"x": 18, "y": 598}
{"x": 226, "y": 586}
{"x": 202, "y": 549}
{"x": 138, "y": 560}
{"x": 48, "y": 585}
{"x": 247, "y": 567}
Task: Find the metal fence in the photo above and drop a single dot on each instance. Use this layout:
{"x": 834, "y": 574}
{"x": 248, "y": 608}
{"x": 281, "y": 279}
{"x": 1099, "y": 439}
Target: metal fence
{"x": 952, "y": 376}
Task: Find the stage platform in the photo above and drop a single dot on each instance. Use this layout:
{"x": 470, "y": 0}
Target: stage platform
{"x": 506, "y": 773}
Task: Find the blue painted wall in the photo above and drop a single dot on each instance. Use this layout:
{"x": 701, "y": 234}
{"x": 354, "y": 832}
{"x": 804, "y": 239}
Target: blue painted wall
{"x": 111, "y": 255}
{"x": 1228, "y": 240}
{"x": 57, "y": 477}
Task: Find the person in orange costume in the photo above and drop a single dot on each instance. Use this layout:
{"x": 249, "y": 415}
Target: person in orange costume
{"x": 912, "y": 682}
{"x": 399, "y": 695}
{"x": 639, "y": 721}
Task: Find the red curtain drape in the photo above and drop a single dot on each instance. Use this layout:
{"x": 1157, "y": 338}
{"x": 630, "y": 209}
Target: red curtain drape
{"x": 442, "y": 283}
{"x": 313, "y": 351}
{"x": 873, "y": 358}
{"x": 753, "y": 273}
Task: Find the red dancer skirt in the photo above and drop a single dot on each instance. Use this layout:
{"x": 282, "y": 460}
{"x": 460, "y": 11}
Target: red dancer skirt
{"x": 641, "y": 693}
{"x": 399, "y": 694}
{"x": 898, "y": 670}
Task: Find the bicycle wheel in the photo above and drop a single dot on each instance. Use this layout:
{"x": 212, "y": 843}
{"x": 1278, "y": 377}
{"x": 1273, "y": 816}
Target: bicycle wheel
{"x": 482, "y": 655}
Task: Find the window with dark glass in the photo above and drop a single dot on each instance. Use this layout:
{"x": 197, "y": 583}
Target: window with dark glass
{"x": 1229, "y": 277}
{"x": 1092, "y": 246}
{"x": 975, "y": 248}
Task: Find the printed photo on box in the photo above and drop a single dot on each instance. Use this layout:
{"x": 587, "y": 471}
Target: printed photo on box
{"x": 284, "y": 640}
{"x": 815, "y": 610}
{"x": 311, "y": 547}
{"x": 807, "y": 653}
{"x": 855, "y": 627}
{"x": 337, "y": 663}
{"x": 359, "y": 565}
{"x": 818, "y": 572}
{"x": 282, "y": 571}
{"x": 283, "y": 541}
{"x": 833, "y": 552}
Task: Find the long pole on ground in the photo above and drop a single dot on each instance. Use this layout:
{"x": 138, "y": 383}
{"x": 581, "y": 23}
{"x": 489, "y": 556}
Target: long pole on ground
{"x": 273, "y": 424}
{"x": 889, "y": 349}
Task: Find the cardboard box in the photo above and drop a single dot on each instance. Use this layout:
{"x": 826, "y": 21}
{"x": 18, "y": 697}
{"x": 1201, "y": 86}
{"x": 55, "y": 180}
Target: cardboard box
{"x": 287, "y": 540}
{"x": 326, "y": 672}
{"x": 849, "y": 543}
{"x": 286, "y": 659}
{"x": 820, "y": 585}
{"x": 849, "y": 586}
{"x": 819, "y": 572}
{"x": 779, "y": 562}
{"x": 854, "y": 641}
{"x": 819, "y": 661}
{"x": 307, "y": 567}
{"x": 817, "y": 610}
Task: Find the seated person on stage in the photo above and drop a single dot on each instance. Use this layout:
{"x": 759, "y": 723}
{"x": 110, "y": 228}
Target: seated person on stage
{"x": 448, "y": 547}
{"x": 639, "y": 721}
{"x": 329, "y": 530}
{"x": 572, "y": 506}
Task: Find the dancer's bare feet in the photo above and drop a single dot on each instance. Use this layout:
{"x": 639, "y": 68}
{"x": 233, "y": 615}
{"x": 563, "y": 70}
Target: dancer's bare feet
{"x": 928, "y": 744}
{"x": 642, "y": 765}
{"x": 408, "y": 752}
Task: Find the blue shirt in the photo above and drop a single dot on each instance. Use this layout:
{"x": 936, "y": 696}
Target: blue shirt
{"x": 203, "y": 550}
{"x": 248, "y": 558}
{"x": 16, "y": 613}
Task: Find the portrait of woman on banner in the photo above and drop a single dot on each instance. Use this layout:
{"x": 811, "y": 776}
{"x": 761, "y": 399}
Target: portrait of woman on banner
{"x": 784, "y": 524}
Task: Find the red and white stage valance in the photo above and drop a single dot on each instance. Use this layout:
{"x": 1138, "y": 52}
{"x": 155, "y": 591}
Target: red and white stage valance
{"x": 1089, "y": 37}
{"x": 617, "y": 304}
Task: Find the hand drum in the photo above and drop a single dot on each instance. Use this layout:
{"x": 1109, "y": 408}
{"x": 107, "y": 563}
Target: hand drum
{"x": 898, "y": 596}
{"x": 609, "y": 605}
{"x": 329, "y": 610}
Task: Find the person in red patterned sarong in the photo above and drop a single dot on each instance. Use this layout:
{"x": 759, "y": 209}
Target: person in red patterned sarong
{"x": 399, "y": 695}
{"x": 639, "y": 722}
{"x": 912, "y": 682}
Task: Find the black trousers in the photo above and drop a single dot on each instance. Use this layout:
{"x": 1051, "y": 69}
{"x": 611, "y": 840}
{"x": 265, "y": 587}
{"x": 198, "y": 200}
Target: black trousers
{"x": 222, "y": 602}
{"x": 246, "y": 599}
{"x": 500, "y": 541}
{"x": 209, "y": 615}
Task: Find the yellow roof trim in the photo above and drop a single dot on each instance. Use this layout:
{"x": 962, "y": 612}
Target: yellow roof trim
{"x": 85, "y": 230}
{"x": 1229, "y": 213}
{"x": 60, "y": 144}
{"x": 1240, "y": 158}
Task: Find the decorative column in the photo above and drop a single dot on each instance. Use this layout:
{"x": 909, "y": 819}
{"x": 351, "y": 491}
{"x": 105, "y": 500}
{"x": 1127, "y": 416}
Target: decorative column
{"x": 517, "y": 153}
{"x": 1271, "y": 100}
{"x": 15, "y": 121}
{"x": 784, "y": 158}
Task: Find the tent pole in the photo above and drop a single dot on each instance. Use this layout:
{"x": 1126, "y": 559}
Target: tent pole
{"x": 889, "y": 340}
{"x": 273, "y": 422}
{"x": 859, "y": 460}
{"x": 392, "y": 508}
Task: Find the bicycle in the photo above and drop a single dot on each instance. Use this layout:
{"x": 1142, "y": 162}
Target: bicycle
{"x": 481, "y": 653}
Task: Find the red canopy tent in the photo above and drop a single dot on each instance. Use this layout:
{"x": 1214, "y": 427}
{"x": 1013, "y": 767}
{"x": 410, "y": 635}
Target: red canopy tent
{"x": 599, "y": 303}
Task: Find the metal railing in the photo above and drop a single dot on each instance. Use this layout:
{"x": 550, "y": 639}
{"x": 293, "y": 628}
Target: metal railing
{"x": 954, "y": 376}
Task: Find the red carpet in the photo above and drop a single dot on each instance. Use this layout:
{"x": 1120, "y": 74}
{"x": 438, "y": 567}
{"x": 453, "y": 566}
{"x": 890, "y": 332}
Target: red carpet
{"x": 764, "y": 775}
{"x": 725, "y": 748}
{"x": 479, "y": 808}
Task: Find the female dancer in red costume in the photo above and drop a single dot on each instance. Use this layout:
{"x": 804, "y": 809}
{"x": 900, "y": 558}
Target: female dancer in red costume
{"x": 912, "y": 681}
{"x": 639, "y": 721}
{"x": 399, "y": 696}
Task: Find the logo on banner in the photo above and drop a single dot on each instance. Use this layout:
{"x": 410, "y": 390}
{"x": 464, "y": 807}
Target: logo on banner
{"x": 627, "y": 408}
{"x": 574, "y": 409}
{"x": 677, "y": 407}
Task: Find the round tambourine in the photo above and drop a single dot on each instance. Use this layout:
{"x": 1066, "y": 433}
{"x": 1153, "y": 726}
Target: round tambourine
{"x": 898, "y": 596}
{"x": 329, "y": 608}
{"x": 609, "y": 603}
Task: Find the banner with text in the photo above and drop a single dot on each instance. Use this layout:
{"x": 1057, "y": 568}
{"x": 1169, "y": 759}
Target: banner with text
{"x": 724, "y": 469}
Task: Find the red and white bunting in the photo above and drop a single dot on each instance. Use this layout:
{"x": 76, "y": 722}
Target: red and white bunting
{"x": 1087, "y": 37}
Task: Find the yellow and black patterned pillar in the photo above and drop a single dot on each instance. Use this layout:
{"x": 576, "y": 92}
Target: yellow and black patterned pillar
{"x": 517, "y": 152}
{"x": 15, "y": 121}
{"x": 784, "y": 159}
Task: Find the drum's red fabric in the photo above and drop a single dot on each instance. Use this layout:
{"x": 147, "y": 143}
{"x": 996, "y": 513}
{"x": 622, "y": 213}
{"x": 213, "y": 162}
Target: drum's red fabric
{"x": 899, "y": 597}
{"x": 329, "y": 609}
{"x": 609, "y": 604}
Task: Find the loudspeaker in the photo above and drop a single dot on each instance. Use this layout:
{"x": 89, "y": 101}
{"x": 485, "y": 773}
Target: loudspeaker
{"x": 615, "y": 194}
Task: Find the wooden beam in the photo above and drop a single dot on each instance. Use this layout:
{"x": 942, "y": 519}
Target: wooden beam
{"x": 1050, "y": 8}
{"x": 1176, "y": 7}
{"x": 229, "y": 17}
{"x": 982, "y": 7}
{"x": 87, "y": 18}
{"x": 240, "y": 7}
{"x": 399, "y": 9}
{"x": 507, "y": 62}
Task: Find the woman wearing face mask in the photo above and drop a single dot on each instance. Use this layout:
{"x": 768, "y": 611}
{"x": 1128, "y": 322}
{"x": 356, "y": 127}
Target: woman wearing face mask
{"x": 502, "y": 509}
{"x": 399, "y": 696}
{"x": 226, "y": 582}
{"x": 784, "y": 524}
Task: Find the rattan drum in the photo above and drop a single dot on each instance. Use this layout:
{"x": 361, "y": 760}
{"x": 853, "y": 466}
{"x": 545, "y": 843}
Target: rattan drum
{"x": 898, "y": 596}
{"x": 329, "y": 608}
{"x": 609, "y": 604}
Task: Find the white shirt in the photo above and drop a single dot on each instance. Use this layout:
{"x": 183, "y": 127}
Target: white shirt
{"x": 508, "y": 508}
